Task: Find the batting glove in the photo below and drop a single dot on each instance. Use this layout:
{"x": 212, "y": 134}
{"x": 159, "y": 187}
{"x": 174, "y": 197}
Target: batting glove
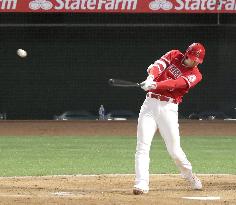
{"x": 148, "y": 84}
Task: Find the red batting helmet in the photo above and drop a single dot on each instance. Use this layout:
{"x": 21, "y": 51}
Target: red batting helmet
{"x": 196, "y": 52}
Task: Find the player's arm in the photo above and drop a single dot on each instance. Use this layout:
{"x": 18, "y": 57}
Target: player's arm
{"x": 172, "y": 84}
{"x": 160, "y": 65}
{"x": 156, "y": 69}
{"x": 164, "y": 85}
{"x": 187, "y": 81}
{"x": 192, "y": 79}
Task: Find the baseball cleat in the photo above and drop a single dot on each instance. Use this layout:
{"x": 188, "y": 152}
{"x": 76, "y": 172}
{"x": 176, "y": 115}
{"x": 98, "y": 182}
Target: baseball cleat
{"x": 138, "y": 191}
{"x": 195, "y": 183}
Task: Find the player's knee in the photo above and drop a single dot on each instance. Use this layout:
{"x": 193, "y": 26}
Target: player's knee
{"x": 142, "y": 148}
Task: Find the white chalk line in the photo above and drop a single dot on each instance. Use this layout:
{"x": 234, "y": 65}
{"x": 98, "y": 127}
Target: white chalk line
{"x": 97, "y": 175}
{"x": 202, "y": 198}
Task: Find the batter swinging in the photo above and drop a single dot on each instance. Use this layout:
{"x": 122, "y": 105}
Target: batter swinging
{"x": 169, "y": 78}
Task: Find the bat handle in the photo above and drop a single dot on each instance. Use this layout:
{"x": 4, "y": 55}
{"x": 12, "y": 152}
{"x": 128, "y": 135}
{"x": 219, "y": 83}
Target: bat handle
{"x": 140, "y": 84}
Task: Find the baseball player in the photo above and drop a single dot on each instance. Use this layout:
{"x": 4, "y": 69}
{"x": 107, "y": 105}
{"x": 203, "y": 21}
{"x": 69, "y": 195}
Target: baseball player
{"x": 169, "y": 79}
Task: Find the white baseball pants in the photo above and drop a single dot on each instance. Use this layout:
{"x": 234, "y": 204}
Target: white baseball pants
{"x": 155, "y": 114}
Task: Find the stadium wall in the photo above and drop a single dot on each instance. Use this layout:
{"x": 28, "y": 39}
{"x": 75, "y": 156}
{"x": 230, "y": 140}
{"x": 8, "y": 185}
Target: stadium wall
{"x": 71, "y": 57}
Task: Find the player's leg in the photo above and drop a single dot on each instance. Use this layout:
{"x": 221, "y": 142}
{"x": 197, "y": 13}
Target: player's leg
{"x": 145, "y": 131}
{"x": 169, "y": 129}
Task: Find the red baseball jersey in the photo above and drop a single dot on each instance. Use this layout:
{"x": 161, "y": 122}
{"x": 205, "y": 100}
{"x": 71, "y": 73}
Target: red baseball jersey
{"x": 171, "y": 67}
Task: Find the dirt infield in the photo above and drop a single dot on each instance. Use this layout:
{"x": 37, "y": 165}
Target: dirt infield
{"x": 109, "y": 190}
{"x": 112, "y": 189}
{"x": 109, "y": 128}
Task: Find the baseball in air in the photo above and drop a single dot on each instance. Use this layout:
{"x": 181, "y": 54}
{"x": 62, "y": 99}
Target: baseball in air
{"x": 111, "y": 81}
{"x": 21, "y": 53}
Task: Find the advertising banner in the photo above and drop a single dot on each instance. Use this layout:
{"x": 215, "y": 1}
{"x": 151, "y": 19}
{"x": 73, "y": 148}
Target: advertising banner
{"x": 120, "y": 6}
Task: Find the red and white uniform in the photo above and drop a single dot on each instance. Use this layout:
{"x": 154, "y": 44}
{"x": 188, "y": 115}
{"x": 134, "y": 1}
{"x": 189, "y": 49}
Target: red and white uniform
{"x": 173, "y": 77}
{"x": 160, "y": 112}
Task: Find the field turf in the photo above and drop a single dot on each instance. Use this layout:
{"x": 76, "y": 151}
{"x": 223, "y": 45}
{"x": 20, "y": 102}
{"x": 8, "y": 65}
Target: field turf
{"x": 36, "y": 156}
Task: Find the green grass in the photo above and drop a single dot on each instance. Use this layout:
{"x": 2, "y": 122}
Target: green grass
{"x": 20, "y": 156}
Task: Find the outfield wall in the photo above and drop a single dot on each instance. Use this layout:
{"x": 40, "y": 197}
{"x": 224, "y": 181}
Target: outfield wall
{"x": 72, "y": 56}
{"x": 109, "y": 128}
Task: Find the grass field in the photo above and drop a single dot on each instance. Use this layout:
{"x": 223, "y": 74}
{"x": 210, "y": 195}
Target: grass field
{"x": 35, "y": 156}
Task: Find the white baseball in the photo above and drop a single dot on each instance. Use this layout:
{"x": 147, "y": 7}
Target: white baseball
{"x": 22, "y": 53}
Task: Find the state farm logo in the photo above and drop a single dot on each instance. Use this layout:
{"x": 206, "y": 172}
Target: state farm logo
{"x": 84, "y": 5}
{"x": 160, "y": 4}
{"x": 40, "y": 4}
{"x": 194, "y": 5}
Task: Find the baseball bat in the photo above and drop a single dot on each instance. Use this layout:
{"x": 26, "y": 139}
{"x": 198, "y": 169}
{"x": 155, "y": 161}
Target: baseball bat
{"x": 122, "y": 83}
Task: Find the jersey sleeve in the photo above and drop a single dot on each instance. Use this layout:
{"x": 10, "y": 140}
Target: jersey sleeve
{"x": 172, "y": 84}
{"x": 192, "y": 78}
{"x": 161, "y": 64}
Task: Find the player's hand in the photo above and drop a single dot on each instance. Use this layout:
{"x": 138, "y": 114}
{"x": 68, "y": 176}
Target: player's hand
{"x": 148, "y": 84}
